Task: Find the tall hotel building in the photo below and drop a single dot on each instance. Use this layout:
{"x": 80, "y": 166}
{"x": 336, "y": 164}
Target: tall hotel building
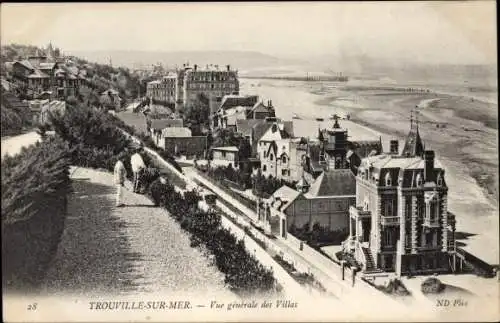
{"x": 212, "y": 82}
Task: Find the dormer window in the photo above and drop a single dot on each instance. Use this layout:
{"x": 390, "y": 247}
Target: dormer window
{"x": 419, "y": 180}
{"x": 388, "y": 179}
{"x": 283, "y": 159}
{"x": 440, "y": 180}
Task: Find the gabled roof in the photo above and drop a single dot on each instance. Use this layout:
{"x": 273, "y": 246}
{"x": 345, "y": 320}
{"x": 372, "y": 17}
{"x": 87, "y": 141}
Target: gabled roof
{"x": 283, "y": 197}
{"x": 258, "y": 130}
{"x": 176, "y": 132}
{"x": 230, "y": 101}
{"x": 234, "y": 110}
{"x": 335, "y": 182}
{"x": 244, "y": 126}
{"x": 160, "y": 124}
{"x": 283, "y": 130}
{"x": 259, "y": 107}
{"x": 38, "y": 74}
{"x": 25, "y": 63}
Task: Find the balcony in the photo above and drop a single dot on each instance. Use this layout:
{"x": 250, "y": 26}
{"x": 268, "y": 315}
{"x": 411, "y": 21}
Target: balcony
{"x": 429, "y": 248}
{"x": 358, "y": 212}
{"x": 431, "y": 223}
{"x": 389, "y": 220}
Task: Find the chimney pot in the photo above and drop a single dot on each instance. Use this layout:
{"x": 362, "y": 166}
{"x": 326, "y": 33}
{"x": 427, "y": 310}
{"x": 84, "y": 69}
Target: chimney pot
{"x": 228, "y": 67}
{"x": 394, "y": 147}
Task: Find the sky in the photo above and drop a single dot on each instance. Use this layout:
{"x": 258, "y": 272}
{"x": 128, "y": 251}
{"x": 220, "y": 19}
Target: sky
{"x": 452, "y": 32}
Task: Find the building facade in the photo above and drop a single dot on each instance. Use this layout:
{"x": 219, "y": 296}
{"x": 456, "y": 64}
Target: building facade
{"x": 325, "y": 203}
{"x": 228, "y": 115}
{"x": 163, "y": 91}
{"x": 225, "y": 156}
{"x": 211, "y": 82}
{"x": 273, "y": 149}
{"x": 401, "y": 222}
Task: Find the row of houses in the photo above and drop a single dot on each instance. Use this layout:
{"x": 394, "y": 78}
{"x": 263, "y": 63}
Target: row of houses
{"x": 392, "y": 205}
{"x": 184, "y": 86}
{"x": 47, "y": 75}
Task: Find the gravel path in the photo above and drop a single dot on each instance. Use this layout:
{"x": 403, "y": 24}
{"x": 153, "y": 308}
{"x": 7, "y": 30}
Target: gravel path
{"x": 138, "y": 249}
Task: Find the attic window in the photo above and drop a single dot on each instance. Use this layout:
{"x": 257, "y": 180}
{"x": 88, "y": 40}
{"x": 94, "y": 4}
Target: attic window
{"x": 419, "y": 180}
{"x": 283, "y": 159}
{"x": 274, "y": 128}
{"x": 440, "y": 180}
{"x": 388, "y": 179}
{"x": 271, "y": 157}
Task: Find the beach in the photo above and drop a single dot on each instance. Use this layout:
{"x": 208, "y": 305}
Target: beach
{"x": 462, "y": 130}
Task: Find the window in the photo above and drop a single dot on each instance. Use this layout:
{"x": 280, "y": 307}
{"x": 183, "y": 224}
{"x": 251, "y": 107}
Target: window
{"x": 419, "y": 180}
{"x": 439, "y": 180}
{"x": 283, "y": 159}
{"x": 388, "y": 208}
{"x": 408, "y": 208}
{"x": 271, "y": 157}
{"x": 264, "y": 168}
{"x": 388, "y": 237}
{"x": 388, "y": 179}
{"x": 284, "y": 172}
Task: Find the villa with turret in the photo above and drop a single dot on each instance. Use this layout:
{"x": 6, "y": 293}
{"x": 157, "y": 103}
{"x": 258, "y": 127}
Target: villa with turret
{"x": 400, "y": 222}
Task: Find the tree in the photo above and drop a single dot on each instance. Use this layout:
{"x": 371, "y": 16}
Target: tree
{"x": 198, "y": 113}
{"x": 226, "y": 137}
{"x": 244, "y": 149}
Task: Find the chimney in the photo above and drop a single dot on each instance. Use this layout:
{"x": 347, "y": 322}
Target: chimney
{"x": 228, "y": 67}
{"x": 394, "y": 147}
{"x": 429, "y": 166}
{"x": 270, "y": 103}
{"x": 195, "y": 67}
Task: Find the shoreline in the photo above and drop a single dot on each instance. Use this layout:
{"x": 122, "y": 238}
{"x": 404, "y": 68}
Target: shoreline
{"x": 478, "y": 177}
{"x": 466, "y": 148}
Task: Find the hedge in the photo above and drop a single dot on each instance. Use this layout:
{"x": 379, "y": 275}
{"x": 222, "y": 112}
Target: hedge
{"x": 244, "y": 275}
{"x": 35, "y": 186}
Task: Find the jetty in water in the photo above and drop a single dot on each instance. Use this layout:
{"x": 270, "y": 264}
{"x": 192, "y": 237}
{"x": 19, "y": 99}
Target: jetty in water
{"x": 305, "y": 78}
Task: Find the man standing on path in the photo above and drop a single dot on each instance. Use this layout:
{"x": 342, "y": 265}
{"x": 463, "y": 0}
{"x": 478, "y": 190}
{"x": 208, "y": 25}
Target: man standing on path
{"x": 137, "y": 166}
{"x": 119, "y": 173}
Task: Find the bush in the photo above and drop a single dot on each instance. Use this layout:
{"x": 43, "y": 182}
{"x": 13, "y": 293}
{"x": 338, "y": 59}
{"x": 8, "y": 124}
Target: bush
{"x": 243, "y": 273}
{"x": 395, "y": 287}
{"x": 91, "y": 134}
{"x": 35, "y": 185}
{"x": 432, "y": 286}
